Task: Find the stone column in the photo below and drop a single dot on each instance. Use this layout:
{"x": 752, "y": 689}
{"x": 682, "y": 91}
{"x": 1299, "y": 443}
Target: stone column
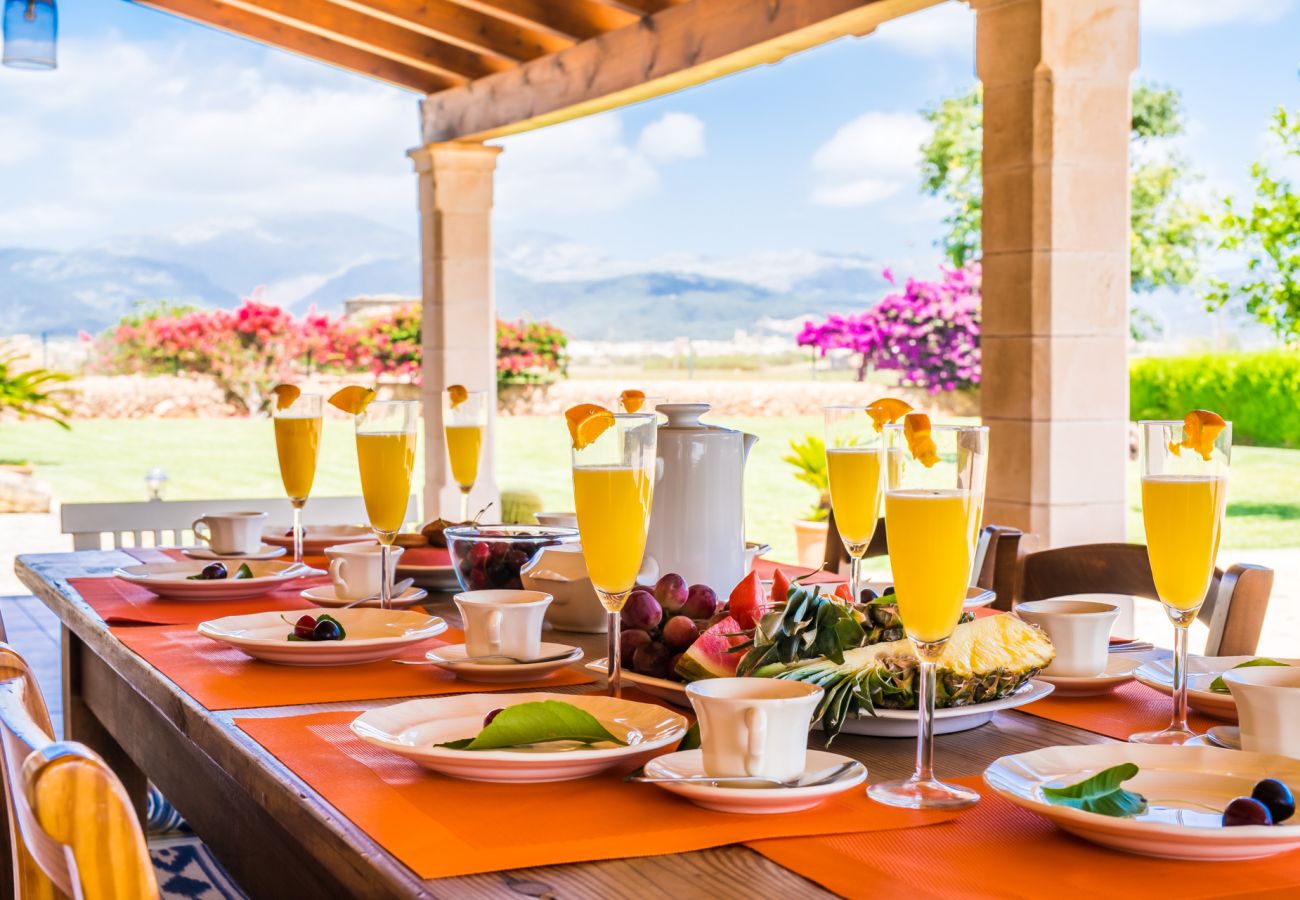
{"x": 459, "y": 313}
{"x": 1056, "y": 252}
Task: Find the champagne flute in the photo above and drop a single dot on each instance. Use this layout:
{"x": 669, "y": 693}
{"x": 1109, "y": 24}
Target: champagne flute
{"x": 297, "y": 444}
{"x": 1184, "y": 493}
{"x": 932, "y": 509}
{"x": 386, "y": 431}
{"x": 613, "y": 486}
{"x": 855, "y": 466}
{"x": 464, "y": 416}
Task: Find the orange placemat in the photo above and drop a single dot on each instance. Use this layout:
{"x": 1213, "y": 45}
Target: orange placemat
{"x": 1128, "y": 709}
{"x": 998, "y": 851}
{"x": 122, "y": 603}
{"x": 440, "y": 826}
{"x": 221, "y": 677}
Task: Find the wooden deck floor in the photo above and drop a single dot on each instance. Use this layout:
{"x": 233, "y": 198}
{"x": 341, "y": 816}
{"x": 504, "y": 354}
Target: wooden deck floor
{"x": 33, "y": 631}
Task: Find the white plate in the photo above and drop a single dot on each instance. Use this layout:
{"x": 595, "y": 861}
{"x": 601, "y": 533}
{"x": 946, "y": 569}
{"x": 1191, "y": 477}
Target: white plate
{"x": 170, "y": 580}
{"x": 266, "y": 551}
{"x": 886, "y": 722}
{"x": 451, "y": 658}
{"x": 324, "y": 595}
{"x": 435, "y": 578}
{"x": 412, "y": 729}
{"x": 1227, "y": 737}
{"x": 372, "y": 635}
{"x": 1186, "y": 790}
{"x": 1201, "y": 671}
{"x": 1119, "y": 670}
{"x": 315, "y": 538}
{"x": 754, "y": 798}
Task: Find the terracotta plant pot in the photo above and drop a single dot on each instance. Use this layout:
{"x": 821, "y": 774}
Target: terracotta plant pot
{"x": 810, "y": 542}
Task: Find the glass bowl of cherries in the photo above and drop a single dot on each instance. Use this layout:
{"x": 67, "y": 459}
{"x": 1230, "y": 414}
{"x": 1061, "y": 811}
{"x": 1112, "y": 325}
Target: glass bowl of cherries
{"x": 490, "y": 557}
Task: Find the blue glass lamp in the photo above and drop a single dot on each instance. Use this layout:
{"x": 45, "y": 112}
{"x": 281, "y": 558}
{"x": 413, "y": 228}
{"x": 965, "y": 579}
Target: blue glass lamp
{"x": 31, "y": 31}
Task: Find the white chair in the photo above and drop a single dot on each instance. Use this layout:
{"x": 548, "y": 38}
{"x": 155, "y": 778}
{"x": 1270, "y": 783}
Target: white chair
{"x": 169, "y": 521}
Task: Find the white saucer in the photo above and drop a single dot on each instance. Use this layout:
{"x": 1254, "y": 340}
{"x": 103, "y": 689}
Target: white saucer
{"x": 1225, "y": 737}
{"x": 266, "y": 551}
{"x": 501, "y": 672}
{"x": 1119, "y": 670}
{"x": 324, "y": 595}
{"x": 753, "y": 798}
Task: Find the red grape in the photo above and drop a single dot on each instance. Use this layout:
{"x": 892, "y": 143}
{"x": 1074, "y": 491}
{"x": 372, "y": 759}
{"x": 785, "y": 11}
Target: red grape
{"x": 701, "y": 602}
{"x": 652, "y": 659}
{"x": 632, "y": 640}
{"x": 642, "y": 610}
{"x": 1246, "y": 811}
{"x": 680, "y": 632}
{"x": 671, "y": 592}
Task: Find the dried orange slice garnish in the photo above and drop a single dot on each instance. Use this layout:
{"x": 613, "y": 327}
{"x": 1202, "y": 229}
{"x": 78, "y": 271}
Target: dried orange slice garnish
{"x": 587, "y": 421}
{"x": 1201, "y": 428}
{"x": 457, "y": 395}
{"x": 887, "y": 411}
{"x": 632, "y": 400}
{"x": 916, "y": 428}
{"x": 352, "y": 399}
{"x": 285, "y": 395}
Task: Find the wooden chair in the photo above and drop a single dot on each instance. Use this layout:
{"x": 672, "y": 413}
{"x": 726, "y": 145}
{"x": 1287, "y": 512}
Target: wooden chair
{"x": 72, "y": 828}
{"x": 168, "y": 521}
{"x": 1234, "y": 605}
{"x": 997, "y": 557}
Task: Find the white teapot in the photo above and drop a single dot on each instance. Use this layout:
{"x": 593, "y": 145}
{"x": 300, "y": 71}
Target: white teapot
{"x": 697, "y": 520}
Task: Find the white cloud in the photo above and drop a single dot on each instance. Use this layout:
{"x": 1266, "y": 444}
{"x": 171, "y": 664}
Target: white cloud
{"x": 1185, "y": 15}
{"x": 871, "y": 158}
{"x": 673, "y": 136}
{"x": 942, "y": 30}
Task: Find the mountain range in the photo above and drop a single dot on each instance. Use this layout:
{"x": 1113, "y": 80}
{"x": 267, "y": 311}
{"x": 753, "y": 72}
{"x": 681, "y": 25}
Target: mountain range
{"x": 322, "y": 259}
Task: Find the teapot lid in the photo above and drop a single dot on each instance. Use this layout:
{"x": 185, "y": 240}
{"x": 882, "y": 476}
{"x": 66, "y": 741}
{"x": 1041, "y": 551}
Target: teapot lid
{"x": 686, "y": 417}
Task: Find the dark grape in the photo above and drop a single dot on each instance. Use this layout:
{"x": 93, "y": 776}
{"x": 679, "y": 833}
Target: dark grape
{"x": 672, "y": 667}
{"x": 671, "y": 592}
{"x": 652, "y": 659}
{"x": 213, "y": 572}
{"x": 867, "y": 595}
{"x": 680, "y": 632}
{"x": 1246, "y": 811}
{"x": 1277, "y": 797}
{"x": 327, "y": 630}
{"x": 630, "y": 641}
{"x": 492, "y": 714}
{"x": 642, "y": 610}
{"x": 701, "y": 602}
{"x": 887, "y": 591}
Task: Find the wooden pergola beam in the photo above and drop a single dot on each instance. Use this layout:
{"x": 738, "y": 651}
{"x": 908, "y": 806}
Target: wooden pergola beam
{"x": 468, "y": 28}
{"x": 224, "y": 17}
{"x": 641, "y": 7}
{"x": 674, "y": 49}
{"x": 577, "y": 20}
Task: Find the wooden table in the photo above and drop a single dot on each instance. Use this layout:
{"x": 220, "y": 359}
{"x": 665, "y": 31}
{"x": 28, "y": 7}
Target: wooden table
{"x": 278, "y": 838}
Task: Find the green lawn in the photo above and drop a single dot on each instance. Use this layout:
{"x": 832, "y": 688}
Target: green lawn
{"x": 107, "y": 460}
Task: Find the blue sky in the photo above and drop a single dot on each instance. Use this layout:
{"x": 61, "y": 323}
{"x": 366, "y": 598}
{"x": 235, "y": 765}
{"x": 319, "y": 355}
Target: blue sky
{"x": 153, "y": 124}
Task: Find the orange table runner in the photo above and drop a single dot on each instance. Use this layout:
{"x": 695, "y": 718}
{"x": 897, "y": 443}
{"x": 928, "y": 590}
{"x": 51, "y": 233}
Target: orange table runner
{"x": 767, "y": 568}
{"x": 440, "y": 826}
{"x": 1128, "y": 709}
{"x": 122, "y": 603}
{"x": 1000, "y": 852}
{"x": 221, "y": 677}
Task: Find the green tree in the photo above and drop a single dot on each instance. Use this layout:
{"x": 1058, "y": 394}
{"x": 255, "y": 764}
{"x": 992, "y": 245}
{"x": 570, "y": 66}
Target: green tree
{"x": 1268, "y": 234}
{"x": 1169, "y": 231}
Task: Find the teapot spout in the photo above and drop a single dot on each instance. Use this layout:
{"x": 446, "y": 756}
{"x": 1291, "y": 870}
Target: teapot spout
{"x": 749, "y": 440}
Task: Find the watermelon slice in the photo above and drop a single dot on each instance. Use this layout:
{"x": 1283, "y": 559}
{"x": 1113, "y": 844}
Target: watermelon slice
{"x": 708, "y": 657}
{"x": 747, "y": 602}
{"x": 780, "y": 587}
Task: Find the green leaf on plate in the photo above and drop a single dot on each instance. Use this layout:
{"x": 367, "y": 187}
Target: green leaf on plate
{"x": 1101, "y": 793}
{"x": 243, "y": 571}
{"x": 691, "y": 740}
{"x": 537, "y": 723}
{"x": 1219, "y": 686}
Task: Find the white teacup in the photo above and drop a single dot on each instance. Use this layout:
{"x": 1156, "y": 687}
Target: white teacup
{"x": 1268, "y": 708}
{"x": 505, "y": 622}
{"x": 231, "y": 533}
{"x": 354, "y": 569}
{"x": 1078, "y": 629}
{"x": 754, "y": 726}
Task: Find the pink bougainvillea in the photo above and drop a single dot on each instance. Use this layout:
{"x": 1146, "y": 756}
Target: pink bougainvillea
{"x": 928, "y": 332}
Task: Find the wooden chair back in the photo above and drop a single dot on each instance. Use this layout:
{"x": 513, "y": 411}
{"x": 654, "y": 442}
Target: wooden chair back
{"x": 1235, "y": 603}
{"x": 72, "y": 828}
{"x": 168, "y": 522}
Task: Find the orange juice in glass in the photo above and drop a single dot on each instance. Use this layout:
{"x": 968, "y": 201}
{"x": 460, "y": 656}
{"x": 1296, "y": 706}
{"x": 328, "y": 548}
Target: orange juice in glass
{"x": 297, "y": 445}
{"x": 464, "y": 418}
{"x": 386, "y": 435}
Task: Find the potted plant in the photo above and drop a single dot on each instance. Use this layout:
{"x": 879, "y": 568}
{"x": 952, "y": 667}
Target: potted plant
{"x": 808, "y": 458}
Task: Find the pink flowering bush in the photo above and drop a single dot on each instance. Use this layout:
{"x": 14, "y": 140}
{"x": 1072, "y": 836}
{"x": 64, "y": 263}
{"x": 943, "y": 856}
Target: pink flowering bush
{"x": 530, "y": 352}
{"x": 928, "y": 332}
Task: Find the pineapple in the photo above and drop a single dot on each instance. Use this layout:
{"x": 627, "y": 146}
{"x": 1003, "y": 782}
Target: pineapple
{"x": 984, "y": 660}
{"x": 881, "y": 621}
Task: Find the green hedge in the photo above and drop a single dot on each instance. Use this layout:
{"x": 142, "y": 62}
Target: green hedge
{"x": 1258, "y": 392}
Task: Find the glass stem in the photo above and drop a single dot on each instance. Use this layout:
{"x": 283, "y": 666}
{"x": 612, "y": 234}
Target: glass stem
{"x": 1180, "y": 678}
{"x": 615, "y": 679}
{"x": 855, "y": 577}
{"x": 464, "y": 505}
{"x": 925, "y": 731}
{"x": 297, "y": 533}
{"x": 385, "y": 584}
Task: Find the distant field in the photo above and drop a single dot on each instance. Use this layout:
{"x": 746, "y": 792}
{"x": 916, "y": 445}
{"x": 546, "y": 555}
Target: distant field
{"x": 101, "y": 460}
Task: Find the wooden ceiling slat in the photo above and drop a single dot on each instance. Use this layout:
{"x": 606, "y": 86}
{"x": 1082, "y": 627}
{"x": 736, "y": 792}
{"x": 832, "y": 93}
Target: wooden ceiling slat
{"x": 641, "y": 7}
{"x": 375, "y": 36}
{"x": 578, "y": 20}
{"x": 466, "y": 27}
{"x": 223, "y": 17}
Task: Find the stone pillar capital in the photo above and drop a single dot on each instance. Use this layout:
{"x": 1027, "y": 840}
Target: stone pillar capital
{"x": 454, "y": 155}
